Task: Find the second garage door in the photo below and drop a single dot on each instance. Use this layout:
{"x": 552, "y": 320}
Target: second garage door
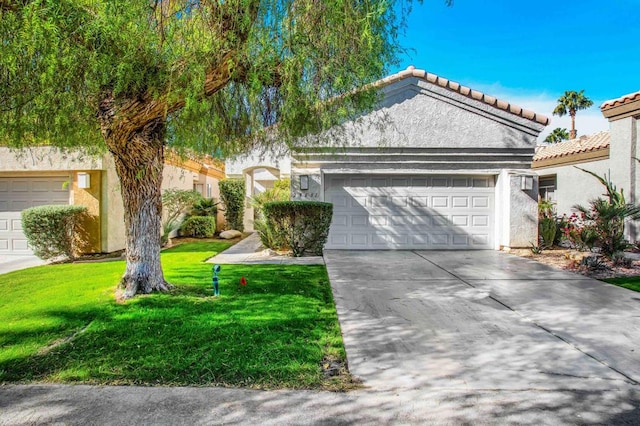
{"x": 411, "y": 212}
{"x": 19, "y": 193}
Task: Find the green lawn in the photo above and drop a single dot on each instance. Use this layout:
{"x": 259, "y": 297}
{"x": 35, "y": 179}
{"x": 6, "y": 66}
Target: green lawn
{"x": 632, "y": 283}
{"x": 60, "y": 323}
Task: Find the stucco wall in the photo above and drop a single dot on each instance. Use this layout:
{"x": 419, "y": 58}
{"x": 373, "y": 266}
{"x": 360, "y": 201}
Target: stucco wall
{"x": 418, "y": 114}
{"x": 573, "y": 186}
{"x": 523, "y": 220}
{"x": 46, "y": 158}
{"x": 91, "y": 199}
{"x": 516, "y": 211}
{"x": 279, "y": 159}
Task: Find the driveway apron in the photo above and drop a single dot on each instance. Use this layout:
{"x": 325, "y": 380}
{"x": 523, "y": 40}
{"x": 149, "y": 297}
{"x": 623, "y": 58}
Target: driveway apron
{"x": 481, "y": 320}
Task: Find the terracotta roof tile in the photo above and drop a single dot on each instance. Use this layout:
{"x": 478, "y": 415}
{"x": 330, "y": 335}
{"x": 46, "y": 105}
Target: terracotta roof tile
{"x": 465, "y": 91}
{"x": 579, "y": 145}
{"x": 621, "y": 100}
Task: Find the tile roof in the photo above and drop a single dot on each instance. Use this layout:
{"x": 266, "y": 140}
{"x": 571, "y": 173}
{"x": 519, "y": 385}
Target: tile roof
{"x": 579, "y": 145}
{"x": 621, "y": 100}
{"x": 411, "y": 71}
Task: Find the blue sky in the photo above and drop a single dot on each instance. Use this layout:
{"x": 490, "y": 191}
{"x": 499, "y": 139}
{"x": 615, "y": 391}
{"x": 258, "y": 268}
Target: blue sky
{"x": 529, "y": 53}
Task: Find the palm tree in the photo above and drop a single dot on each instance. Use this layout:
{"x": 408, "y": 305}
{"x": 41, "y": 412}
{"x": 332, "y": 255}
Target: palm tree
{"x": 558, "y": 134}
{"x": 571, "y": 102}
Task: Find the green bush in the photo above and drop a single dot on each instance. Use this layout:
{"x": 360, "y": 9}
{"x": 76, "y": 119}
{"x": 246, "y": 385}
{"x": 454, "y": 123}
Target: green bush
{"x": 280, "y": 192}
{"x": 606, "y": 217}
{"x": 302, "y": 225}
{"x": 270, "y": 237}
{"x": 547, "y": 228}
{"x": 54, "y": 230}
{"x": 199, "y": 226}
{"x": 176, "y": 202}
{"x": 204, "y": 207}
{"x": 232, "y": 193}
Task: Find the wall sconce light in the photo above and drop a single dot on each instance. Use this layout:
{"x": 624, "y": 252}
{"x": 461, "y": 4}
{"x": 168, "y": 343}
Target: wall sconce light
{"x": 526, "y": 183}
{"x": 84, "y": 180}
{"x": 304, "y": 182}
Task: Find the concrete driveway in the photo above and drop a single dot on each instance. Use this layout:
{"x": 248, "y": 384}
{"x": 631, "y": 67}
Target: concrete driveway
{"x": 10, "y": 263}
{"x": 482, "y": 320}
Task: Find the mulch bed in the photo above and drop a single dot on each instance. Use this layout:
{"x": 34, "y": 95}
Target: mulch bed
{"x": 569, "y": 260}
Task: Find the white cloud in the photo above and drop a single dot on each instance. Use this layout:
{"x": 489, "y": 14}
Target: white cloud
{"x": 588, "y": 121}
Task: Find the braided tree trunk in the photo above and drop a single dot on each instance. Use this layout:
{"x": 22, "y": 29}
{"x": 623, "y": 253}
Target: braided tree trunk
{"x": 139, "y": 161}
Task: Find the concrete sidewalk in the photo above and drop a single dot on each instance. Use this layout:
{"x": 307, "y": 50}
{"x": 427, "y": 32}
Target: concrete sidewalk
{"x": 133, "y": 405}
{"x": 250, "y": 251}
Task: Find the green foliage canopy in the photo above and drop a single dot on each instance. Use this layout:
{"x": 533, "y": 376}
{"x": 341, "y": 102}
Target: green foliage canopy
{"x": 216, "y": 72}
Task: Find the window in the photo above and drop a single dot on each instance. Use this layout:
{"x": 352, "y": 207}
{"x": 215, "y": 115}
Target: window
{"x": 209, "y": 191}
{"x": 198, "y": 187}
{"x": 547, "y": 188}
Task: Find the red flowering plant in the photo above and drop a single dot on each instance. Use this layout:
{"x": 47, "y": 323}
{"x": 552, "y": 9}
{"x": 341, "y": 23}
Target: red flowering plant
{"x": 604, "y": 220}
{"x": 579, "y": 231}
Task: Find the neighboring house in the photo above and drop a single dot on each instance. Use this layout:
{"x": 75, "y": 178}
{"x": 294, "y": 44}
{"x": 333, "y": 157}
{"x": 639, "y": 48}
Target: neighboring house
{"x": 613, "y": 153}
{"x": 45, "y": 175}
{"x": 449, "y": 169}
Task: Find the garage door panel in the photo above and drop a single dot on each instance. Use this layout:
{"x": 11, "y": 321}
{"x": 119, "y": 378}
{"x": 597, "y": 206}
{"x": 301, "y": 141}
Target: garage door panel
{"x": 480, "y": 220}
{"x": 360, "y": 220}
{"x": 440, "y": 202}
{"x": 459, "y": 202}
{"x": 422, "y": 221}
{"x": 412, "y": 212}
{"x": 480, "y": 182}
{"x": 480, "y": 202}
{"x": 360, "y": 240}
{"x": 460, "y": 240}
{"x": 459, "y": 182}
{"x": 439, "y": 182}
{"x": 480, "y": 240}
{"x": 359, "y": 201}
{"x": 439, "y": 240}
{"x": 460, "y": 220}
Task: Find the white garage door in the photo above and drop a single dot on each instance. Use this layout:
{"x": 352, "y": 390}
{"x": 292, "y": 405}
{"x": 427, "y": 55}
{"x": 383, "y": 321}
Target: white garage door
{"x": 411, "y": 212}
{"x": 19, "y": 193}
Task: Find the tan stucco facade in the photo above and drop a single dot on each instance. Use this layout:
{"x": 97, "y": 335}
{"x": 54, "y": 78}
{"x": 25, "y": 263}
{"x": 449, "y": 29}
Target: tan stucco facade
{"x": 104, "y": 227}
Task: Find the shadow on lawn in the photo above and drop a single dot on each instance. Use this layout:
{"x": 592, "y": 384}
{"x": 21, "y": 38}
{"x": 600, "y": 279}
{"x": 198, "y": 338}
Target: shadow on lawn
{"x": 272, "y": 333}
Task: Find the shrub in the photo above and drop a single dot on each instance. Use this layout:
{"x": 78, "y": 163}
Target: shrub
{"x": 176, "y": 202}
{"x": 606, "y": 217}
{"x": 280, "y": 192}
{"x": 547, "y": 229}
{"x": 54, "y": 230}
{"x": 269, "y": 236}
{"x": 199, "y": 226}
{"x": 204, "y": 207}
{"x": 619, "y": 259}
{"x": 303, "y": 225}
{"x": 594, "y": 263}
{"x": 232, "y": 195}
{"x": 580, "y": 234}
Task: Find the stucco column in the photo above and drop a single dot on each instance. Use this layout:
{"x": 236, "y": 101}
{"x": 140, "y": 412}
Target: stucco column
{"x": 516, "y": 210}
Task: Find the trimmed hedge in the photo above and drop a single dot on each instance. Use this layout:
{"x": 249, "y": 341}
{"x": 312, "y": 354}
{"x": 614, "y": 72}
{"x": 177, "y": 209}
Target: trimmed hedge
{"x": 302, "y": 226}
{"x": 232, "y": 194}
{"x": 54, "y": 230}
{"x": 199, "y": 226}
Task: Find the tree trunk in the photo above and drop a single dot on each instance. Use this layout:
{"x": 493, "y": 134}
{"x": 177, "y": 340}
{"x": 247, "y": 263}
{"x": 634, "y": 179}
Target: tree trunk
{"x": 573, "y": 134}
{"x": 139, "y": 160}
